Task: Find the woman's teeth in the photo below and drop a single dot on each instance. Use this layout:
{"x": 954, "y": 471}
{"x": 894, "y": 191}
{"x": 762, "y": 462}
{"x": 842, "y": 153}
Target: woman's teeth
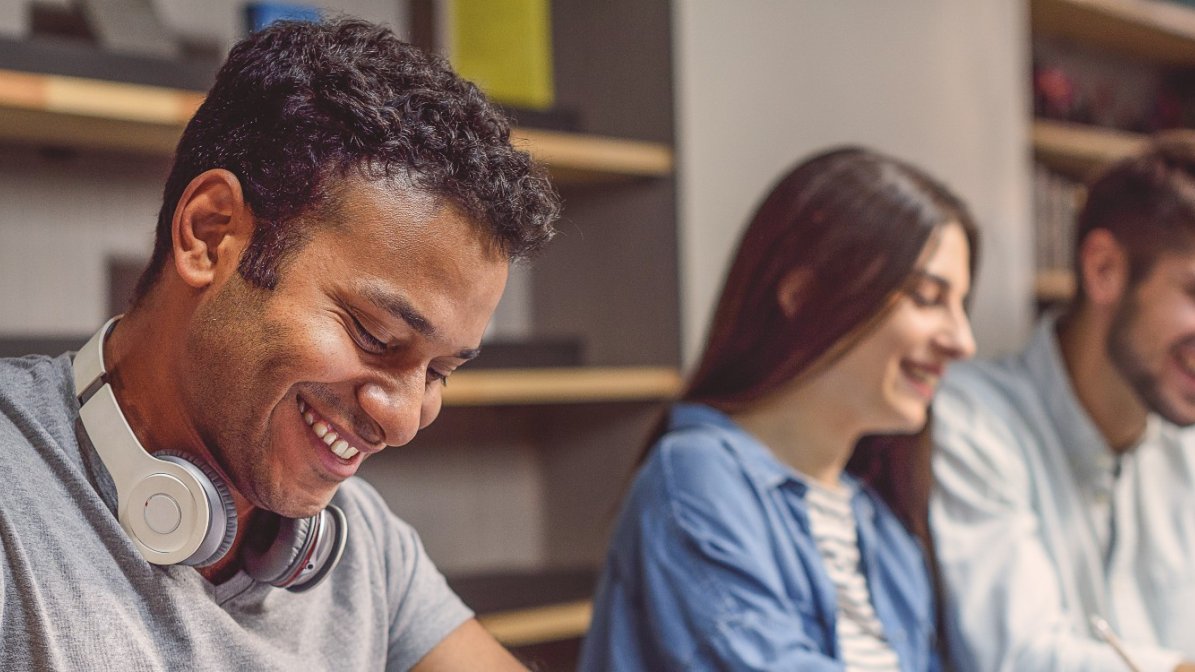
{"x": 337, "y": 445}
{"x": 919, "y": 375}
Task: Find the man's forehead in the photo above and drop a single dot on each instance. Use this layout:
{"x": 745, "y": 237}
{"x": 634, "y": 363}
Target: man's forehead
{"x": 1176, "y": 264}
{"x": 355, "y": 196}
{"x": 402, "y": 208}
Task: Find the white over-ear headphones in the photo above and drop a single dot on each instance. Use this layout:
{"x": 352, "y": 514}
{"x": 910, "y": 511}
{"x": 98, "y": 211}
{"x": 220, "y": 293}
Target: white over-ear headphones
{"x": 177, "y": 510}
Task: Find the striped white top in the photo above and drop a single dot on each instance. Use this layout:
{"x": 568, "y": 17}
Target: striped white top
{"x": 859, "y": 631}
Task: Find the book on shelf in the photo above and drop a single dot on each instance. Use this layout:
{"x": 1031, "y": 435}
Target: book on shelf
{"x": 1056, "y": 200}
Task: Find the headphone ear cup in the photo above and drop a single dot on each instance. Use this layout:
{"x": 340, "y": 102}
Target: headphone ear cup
{"x": 222, "y": 528}
{"x": 270, "y": 563}
{"x": 302, "y": 552}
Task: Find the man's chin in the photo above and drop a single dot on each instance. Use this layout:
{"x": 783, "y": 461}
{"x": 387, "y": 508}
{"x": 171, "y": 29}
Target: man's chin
{"x": 291, "y": 507}
{"x": 1185, "y": 418}
{"x": 1180, "y": 413}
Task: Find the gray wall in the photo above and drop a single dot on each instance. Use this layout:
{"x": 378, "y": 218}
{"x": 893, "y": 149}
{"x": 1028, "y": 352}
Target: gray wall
{"x": 61, "y": 218}
{"x": 941, "y": 83}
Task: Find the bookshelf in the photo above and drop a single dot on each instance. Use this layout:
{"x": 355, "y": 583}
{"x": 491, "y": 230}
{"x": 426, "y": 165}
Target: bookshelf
{"x": 1156, "y": 31}
{"x": 1076, "y": 150}
{"x": 98, "y": 114}
{"x": 561, "y": 385}
{"x": 538, "y": 625}
{"x": 579, "y": 158}
{"x": 1054, "y": 286}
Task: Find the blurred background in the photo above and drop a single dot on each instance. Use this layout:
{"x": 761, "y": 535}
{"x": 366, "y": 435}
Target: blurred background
{"x": 662, "y": 123}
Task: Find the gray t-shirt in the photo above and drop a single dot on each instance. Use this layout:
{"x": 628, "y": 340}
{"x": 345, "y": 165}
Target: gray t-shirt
{"x": 77, "y": 595}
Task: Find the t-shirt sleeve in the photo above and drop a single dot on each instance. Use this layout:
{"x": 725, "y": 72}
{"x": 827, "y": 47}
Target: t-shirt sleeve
{"x": 425, "y": 610}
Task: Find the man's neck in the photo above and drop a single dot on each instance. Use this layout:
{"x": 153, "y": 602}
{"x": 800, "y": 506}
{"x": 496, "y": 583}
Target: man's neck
{"x": 141, "y": 356}
{"x": 1109, "y": 400}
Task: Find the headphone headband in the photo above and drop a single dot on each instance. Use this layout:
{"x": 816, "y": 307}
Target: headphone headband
{"x": 164, "y": 506}
{"x": 89, "y": 370}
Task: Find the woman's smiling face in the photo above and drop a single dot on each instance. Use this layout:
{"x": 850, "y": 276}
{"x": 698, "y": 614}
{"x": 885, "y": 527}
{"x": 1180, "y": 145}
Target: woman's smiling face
{"x": 885, "y": 382}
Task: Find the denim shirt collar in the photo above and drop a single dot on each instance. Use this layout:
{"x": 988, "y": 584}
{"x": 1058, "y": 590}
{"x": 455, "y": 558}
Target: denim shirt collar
{"x": 759, "y": 462}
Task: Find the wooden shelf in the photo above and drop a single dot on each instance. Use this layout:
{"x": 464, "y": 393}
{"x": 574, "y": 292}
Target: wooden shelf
{"x": 1054, "y": 286}
{"x": 536, "y": 625}
{"x": 1156, "y": 30}
{"x": 97, "y": 114}
{"x": 560, "y": 385}
{"x": 1077, "y": 150}
{"x": 93, "y": 114}
{"x": 586, "y": 158}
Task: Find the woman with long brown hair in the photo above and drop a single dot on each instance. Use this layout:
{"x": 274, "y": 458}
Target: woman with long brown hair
{"x": 743, "y": 543}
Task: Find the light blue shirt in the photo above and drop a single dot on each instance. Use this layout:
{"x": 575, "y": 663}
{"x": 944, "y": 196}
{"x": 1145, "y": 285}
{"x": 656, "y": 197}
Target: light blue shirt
{"x": 713, "y": 565}
{"x": 1035, "y": 532}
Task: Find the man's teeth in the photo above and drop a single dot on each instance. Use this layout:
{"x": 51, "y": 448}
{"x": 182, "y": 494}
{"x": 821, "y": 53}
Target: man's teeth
{"x": 337, "y": 445}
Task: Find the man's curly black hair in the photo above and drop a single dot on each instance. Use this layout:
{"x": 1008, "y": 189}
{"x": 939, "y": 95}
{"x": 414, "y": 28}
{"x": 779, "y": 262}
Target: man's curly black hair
{"x": 299, "y": 105}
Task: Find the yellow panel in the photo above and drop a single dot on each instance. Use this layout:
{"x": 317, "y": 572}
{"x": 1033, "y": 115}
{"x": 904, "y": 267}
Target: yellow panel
{"x": 506, "y": 48}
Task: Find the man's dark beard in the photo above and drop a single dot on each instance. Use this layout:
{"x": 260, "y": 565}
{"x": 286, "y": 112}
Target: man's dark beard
{"x": 1132, "y": 369}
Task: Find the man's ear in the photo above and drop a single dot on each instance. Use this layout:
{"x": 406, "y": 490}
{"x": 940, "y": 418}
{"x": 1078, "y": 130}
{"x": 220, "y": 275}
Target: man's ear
{"x": 790, "y": 290}
{"x": 1104, "y": 268}
{"x": 211, "y": 228}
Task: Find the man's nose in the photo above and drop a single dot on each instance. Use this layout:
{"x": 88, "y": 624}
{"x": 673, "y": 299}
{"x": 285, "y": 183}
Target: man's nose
{"x": 396, "y": 405}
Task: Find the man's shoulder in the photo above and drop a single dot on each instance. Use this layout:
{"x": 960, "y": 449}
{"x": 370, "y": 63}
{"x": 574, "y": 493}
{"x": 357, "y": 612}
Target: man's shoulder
{"x": 359, "y": 499}
{"x": 1005, "y": 388}
{"x": 1005, "y": 376}
{"x": 35, "y": 396}
{"x": 375, "y": 528}
{"x": 29, "y": 377}
{"x": 990, "y": 412}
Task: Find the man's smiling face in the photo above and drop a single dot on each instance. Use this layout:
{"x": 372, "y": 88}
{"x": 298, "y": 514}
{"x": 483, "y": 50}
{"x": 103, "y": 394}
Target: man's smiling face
{"x": 1152, "y": 339}
{"x": 292, "y": 388}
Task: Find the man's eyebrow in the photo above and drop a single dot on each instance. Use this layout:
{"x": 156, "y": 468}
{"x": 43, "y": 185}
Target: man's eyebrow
{"x": 402, "y": 309}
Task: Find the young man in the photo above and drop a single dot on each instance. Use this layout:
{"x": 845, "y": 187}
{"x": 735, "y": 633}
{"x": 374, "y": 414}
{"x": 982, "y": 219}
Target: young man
{"x": 334, "y": 237}
{"x": 1066, "y": 474}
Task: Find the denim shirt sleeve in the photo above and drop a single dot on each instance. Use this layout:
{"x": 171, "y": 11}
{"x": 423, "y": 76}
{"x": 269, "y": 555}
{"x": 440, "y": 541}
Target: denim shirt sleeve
{"x": 692, "y": 581}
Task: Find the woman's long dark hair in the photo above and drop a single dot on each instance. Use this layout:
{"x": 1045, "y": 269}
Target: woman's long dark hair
{"x": 856, "y": 224}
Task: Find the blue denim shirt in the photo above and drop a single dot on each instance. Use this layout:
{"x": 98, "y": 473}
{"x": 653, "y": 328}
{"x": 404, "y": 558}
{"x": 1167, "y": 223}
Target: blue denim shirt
{"x": 713, "y": 566}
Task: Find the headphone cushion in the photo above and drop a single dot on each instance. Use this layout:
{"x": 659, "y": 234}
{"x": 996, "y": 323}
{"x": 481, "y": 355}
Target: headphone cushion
{"x": 221, "y": 506}
{"x": 277, "y": 560}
